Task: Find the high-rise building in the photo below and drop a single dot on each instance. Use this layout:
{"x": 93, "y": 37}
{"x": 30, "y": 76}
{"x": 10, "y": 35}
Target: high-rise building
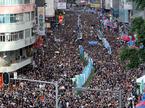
{"x": 17, "y": 36}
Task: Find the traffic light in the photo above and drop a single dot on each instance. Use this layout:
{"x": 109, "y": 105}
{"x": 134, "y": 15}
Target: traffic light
{"x": 6, "y": 78}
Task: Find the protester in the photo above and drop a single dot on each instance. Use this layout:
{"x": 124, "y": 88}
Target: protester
{"x": 58, "y": 60}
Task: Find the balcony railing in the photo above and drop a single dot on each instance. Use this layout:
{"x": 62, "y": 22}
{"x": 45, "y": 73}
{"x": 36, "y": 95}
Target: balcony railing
{"x": 15, "y": 64}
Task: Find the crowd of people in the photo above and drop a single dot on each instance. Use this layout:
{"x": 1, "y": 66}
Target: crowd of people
{"x": 58, "y": 60}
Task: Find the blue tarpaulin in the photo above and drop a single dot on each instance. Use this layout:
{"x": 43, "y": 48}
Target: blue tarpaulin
{"x": 93, "y": 43}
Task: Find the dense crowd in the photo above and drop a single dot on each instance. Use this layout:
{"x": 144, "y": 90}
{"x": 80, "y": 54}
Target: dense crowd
{"x": 58, "y": 60}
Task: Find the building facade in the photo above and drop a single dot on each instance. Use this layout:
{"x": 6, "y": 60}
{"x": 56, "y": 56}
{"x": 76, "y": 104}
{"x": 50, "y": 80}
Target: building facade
{"x": 125, "y": 10}
{"x": 17, "y": 34}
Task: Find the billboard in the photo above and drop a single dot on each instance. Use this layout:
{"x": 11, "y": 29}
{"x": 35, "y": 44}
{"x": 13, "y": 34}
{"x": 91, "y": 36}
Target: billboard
{"x": 50, "y": 8}
{"x": 41, "y": 20}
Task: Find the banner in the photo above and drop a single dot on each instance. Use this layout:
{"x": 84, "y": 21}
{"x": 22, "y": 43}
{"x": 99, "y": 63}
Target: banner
{"x": 82, "y": 78}
{"x": 61, "y": 5}
{"x": 50, "y": 8}
{"x": 108, "y": 4}
{"x": 41, "y": 20}
{"x": 128, "y": 5}
{"x": 81, "y": 50}
{"x": 95, "y": 5}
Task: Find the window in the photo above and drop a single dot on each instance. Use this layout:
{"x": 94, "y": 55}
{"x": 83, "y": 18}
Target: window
{"x": 33, "y": 33}
{"x": 7, "y": 18}
{"x": 19, "y": 18}
{"x": 14, "y": 36}
{"x": 14, "y": 2}
{"x": 27, "y": 16}
{"x": 27, "y": 33}
{"x": 1, "y": 2}
{"x": 13, "y": 18}
{"x": 32, "y": 16}
{"x": 2, "y": 37}
{"x": 1, "y": 18}
{"x": 9, "y": 37}
{"x": 21, "y": 35}
{"x": 26, "y": 1}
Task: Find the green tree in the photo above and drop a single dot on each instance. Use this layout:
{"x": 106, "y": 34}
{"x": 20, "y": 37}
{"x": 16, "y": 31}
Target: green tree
{"x": 140, "y": 4}
{"x": 138, "y": 27}
{"x": 131, "y": 57}
{"x": 137, "y": 24}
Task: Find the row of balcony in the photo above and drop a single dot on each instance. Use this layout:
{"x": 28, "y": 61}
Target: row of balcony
{"x": 15, "y": 65}
{"x": 15, "y": 45}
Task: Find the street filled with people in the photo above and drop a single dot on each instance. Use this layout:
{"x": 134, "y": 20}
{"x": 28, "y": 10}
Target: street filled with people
{"x": 58, "y": 60}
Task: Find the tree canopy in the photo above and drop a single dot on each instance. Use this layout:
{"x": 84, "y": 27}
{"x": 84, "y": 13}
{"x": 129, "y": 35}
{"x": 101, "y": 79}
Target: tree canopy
{"x": 140, "y": 4}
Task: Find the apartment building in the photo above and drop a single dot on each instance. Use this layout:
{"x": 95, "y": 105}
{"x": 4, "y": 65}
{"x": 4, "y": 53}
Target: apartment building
{"x": 17, "y": 35}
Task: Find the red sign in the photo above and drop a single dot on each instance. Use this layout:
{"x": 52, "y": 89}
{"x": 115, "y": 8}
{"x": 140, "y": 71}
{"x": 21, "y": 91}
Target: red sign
{"x": 60, "y": 19}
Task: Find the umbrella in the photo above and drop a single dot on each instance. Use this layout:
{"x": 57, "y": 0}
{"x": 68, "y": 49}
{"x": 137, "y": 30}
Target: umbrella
{"x": 141, "y": 104}
{"x": 125, "y": 38}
